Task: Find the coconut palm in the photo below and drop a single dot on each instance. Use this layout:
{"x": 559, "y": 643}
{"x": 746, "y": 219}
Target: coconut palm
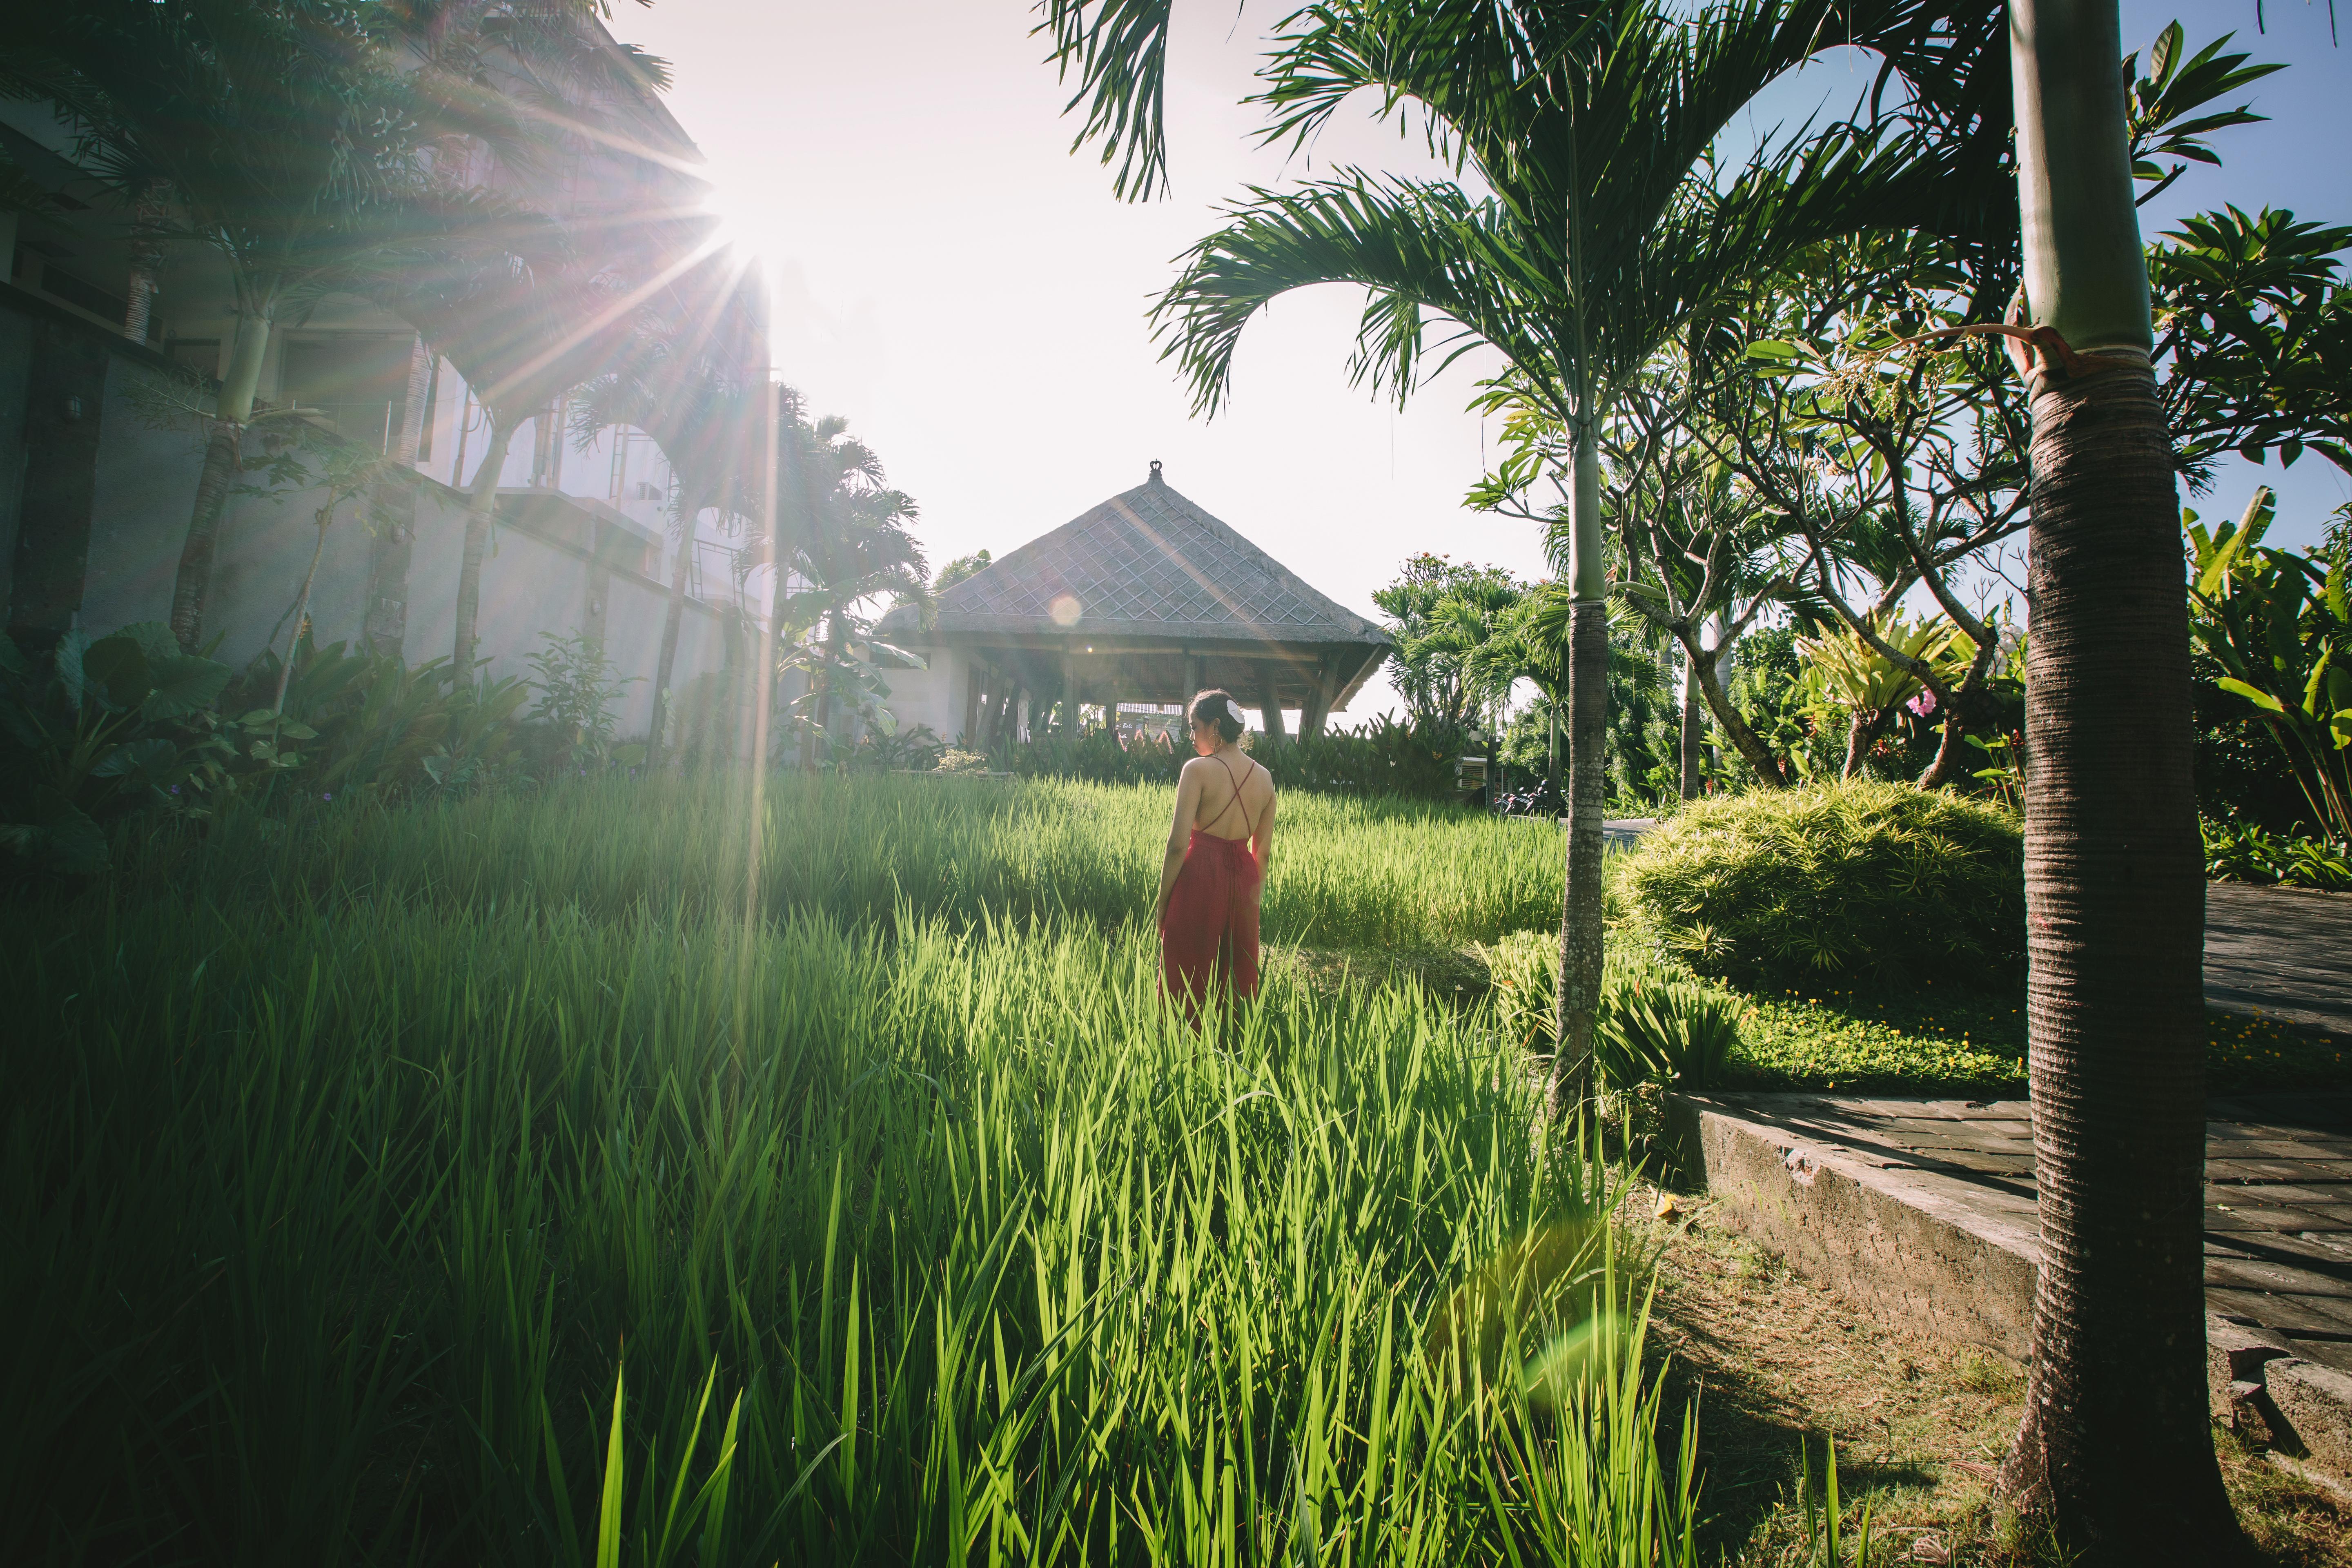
{"x": 1591, "y": 124}
{"x": 525, "y": 322}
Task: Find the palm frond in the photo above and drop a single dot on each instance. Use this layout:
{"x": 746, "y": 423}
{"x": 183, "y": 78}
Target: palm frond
{"x": 1118, "y": 49}
{"x": 1423, "y": 248}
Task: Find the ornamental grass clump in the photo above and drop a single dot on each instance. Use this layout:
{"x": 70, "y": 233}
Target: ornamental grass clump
{"x": 1858, "y": 881}
{"x": 1656, "y": 1024}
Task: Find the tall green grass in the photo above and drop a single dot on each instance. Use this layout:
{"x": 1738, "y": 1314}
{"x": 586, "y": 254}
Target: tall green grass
{"x": 1348, "y": 873}
{"x": 478, "y": 1186}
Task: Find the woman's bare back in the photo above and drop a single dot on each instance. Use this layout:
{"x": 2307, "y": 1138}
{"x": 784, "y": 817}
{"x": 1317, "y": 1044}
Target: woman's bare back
{"x": 1217, "y": 814}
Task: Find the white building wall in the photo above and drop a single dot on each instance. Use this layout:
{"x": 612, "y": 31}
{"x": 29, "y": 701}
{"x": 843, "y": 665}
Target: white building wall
{"x": 934, "y": 697}
{"x": 532, "y": 585}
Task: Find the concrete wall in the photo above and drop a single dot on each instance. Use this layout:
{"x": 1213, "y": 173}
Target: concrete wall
{"x": 140, "y": 484}
{"x": 935, "y": 695}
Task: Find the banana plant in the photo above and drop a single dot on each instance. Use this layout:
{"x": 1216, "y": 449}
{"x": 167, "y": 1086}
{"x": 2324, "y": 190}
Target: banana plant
{"x": 2277, "y": 623}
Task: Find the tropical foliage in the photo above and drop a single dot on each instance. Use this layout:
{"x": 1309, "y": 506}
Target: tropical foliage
{"x": 1441, "y": 615}
{"x": 844, "y": 539}
{"x": 2277, "y": 626}
{"x": 1379, "y": 757}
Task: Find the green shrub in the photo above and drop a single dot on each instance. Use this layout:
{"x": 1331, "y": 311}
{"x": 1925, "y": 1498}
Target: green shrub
{"x": 1381, "y": 758}
{"x": 2242, "y": 852}
{"x": 1654, "y": 1024}
{"x": 1864, "y": 881}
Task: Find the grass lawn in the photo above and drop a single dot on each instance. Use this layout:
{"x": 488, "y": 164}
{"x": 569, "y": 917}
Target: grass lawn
{"x": 1961, "y": 1041}
{"x": 587, "y": 1177}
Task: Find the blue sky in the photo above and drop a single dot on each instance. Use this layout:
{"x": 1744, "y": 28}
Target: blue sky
{"x": 972, "y": 298}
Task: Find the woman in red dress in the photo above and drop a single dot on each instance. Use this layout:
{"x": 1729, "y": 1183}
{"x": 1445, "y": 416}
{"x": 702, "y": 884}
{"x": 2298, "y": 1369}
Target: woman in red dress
{"x": 1215, "y": 867}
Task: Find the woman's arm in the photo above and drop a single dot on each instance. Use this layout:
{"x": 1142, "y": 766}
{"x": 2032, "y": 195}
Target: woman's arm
{"x": 1180, "y": 836}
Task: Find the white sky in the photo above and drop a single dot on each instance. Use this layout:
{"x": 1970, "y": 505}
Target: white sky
{"x": 972, "y": 296}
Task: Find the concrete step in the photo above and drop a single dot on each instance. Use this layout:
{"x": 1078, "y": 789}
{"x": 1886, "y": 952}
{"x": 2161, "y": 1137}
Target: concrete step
{"x": 1922, "y": 1212}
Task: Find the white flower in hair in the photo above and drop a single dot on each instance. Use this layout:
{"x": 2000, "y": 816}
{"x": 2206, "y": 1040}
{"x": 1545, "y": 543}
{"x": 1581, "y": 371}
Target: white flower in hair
{"x": 1234, "y": 709}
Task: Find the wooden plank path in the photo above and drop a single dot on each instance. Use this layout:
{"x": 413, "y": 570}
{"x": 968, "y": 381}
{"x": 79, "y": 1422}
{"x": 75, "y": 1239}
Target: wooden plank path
{"x": 2284, "y": 952}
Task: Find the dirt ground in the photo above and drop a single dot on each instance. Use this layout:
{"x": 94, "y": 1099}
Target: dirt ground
{"x": 1781, "y": 1367}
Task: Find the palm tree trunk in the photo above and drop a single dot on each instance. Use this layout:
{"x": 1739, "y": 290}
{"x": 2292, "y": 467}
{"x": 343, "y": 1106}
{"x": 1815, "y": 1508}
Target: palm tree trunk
{"x": 481, "y": 505}
{"x": 1571, "y": 1084}
{"x": 302, "y": 604}
{"x": 836, "y": 637}
{"x": 673, "y": 615}
{"x": 2116, "y": 1450}
{"x": 192, "y": 585}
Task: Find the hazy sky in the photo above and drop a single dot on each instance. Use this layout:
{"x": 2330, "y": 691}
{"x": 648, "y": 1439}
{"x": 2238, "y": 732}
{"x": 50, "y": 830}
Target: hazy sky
{"x": 972, "y": 296}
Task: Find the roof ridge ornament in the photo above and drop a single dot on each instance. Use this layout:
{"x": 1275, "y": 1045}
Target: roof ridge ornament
{"x": 1155, "y": 472}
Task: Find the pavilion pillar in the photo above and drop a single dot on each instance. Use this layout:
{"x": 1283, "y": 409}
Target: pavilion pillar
{"x": 1192, "y": 682}
{"x": 1005, "y": 710}
{"x": 973, "y": 669}
{"x": 1270, "y": 700}
{"x": 1069, "y": 689}
{"x": 1327, "y": 691}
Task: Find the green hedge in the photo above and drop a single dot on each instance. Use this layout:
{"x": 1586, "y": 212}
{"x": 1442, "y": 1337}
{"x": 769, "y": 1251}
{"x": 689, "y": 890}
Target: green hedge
{"x": 1383, "y": 757}
{"x": 1876, "y": 883}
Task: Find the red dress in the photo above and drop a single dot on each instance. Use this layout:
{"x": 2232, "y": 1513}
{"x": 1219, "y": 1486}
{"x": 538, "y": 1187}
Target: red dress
{"x": 1210, "y": 931}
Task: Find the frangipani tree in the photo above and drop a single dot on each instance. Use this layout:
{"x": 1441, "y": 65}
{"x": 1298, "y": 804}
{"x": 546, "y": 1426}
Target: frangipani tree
{"x": 1601, "y": 225}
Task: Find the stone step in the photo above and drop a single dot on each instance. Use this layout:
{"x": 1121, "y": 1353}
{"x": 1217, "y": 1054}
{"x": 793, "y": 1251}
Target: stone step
{"x": 1922, "y": 1213}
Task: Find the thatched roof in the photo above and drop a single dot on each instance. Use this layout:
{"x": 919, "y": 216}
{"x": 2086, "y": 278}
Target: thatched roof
{"x": 1147, "y": 562}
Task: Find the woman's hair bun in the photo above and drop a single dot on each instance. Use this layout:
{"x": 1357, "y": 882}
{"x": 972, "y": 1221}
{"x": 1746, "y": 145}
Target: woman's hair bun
{"x": 1218, "y": 709}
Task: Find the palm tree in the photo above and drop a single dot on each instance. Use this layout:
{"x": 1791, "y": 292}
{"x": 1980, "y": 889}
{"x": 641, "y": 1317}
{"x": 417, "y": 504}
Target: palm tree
{"x": 1591, "y": 124}
{"x": 842, "y": 538}
{"x": 525, "y": 323}
{"x": 707, "y": 413}
{"x": 2116, "y": 1449}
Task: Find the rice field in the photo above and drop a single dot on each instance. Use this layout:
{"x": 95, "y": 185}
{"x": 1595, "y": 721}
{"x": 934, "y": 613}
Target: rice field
{"x": 1355, "y": 874}
{"x": 552, "y": 1180}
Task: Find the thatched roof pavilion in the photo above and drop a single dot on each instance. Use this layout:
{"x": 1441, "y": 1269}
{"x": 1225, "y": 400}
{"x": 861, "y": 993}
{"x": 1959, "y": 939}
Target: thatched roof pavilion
{"x": 1145, "y": 598}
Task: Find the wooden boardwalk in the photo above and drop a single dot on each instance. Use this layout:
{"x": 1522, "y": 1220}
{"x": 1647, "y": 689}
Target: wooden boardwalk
{"x": 2284, "y": 952}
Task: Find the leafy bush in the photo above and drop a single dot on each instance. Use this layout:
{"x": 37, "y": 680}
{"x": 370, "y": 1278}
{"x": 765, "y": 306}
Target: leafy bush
{"x": 94, "y": 732}
{"x": 1654, "y": 1022}
{"x": 911, "y": 750}
{"x": 1655, "y": 1025}
{"x": 2243, "y": 852}
{"x": 1852, "y": 881}
{"x": 574, "y": 711}
{"x": 1383, "y": 757}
